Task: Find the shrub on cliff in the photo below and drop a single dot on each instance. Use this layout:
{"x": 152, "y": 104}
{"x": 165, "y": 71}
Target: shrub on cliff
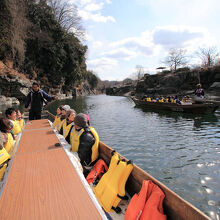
{"x": 46, "y": 47}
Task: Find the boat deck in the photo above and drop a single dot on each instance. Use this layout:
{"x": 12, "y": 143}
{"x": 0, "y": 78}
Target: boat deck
{"x": 42, "y": 182}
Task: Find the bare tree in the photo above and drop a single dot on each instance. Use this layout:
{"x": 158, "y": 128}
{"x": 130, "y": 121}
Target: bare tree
{"x": 176, "y": 58}
{"x": 139, "y": 72}
{"x": 208, "y": 55}
{"x": 66, "y": 14}
{"x": 18, "y": 28}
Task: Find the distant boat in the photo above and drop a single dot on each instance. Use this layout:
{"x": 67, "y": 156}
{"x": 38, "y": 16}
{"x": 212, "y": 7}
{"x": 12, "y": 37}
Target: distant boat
{"x": 203, "y": 108}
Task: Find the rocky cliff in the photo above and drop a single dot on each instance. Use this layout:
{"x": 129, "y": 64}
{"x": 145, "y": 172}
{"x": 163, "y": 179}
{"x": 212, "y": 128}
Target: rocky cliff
{"x": 181, "y": 82}
{"x": 15, "y": 86}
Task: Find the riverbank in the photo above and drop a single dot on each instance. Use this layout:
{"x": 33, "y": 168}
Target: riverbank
{"x": 16, "y": 85}
{"x": 182, "y": 82}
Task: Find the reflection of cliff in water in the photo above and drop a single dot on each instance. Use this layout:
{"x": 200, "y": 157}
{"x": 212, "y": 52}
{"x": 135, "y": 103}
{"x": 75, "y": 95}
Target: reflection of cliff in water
{"x": 78, "y": 104}
{"x": 199, "y": 120}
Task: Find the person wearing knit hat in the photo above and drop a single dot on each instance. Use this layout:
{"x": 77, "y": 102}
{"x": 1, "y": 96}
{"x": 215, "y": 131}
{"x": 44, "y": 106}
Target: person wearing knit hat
{"x": 65, "y": 108}
{"x": 85, "y": 141}
{"x": 68, "y": 124}
{"x": 81, "y": 121}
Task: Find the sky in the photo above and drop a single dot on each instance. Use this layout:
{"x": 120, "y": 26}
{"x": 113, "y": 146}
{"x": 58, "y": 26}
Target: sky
{"x": 121, "y": 34}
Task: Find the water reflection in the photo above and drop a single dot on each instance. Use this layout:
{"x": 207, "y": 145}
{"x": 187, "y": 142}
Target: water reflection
{"x": 198, "y": 121}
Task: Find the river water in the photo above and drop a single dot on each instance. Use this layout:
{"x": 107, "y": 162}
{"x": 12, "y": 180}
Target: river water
{"x": 182, "y": 151}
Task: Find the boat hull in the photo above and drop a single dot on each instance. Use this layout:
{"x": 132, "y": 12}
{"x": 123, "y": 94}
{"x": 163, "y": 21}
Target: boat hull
{"x": 205, "y": 108}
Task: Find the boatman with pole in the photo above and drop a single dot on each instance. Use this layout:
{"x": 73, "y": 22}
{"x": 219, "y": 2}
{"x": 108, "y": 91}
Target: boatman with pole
{"x": 199, "y": 94}
{"x": 36, "y": 98}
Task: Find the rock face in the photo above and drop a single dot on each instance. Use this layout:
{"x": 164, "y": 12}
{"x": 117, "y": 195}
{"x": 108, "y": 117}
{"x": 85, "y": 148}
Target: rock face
{"x": 181, "y": 82}
{"x": 13, "y": 84}
{"x": 121, "y": 90}
{"x": 8, "y": 100}
{"x": 17, "y": 85}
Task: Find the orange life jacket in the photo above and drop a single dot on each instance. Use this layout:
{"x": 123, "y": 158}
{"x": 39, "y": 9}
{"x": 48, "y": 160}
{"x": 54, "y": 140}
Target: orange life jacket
{"x": 98, "y": 169}
{"x": 147, "y": 204}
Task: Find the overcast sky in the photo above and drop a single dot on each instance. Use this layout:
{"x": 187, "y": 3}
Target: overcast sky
{"x": 124, "y": 33}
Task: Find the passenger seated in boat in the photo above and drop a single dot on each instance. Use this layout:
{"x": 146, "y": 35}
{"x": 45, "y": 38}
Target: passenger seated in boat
{"x": 199, "y": 94}
{"x": 68, "y": 124}
{"x": 148, "y": 99}
{"x": 20, "y": 118}
{"x": 169, "y": 99}
{"x": 161, "y": 99}
{"x": 57, "y": 117}
{"x": 88, "y": 119}
{"x": 177, "y": 101}
{"x": 4, "y": 156}
{"x": 65, "y": 108}
{"x": 186, "y": 99}
{"x": 10, "y": 113}
{"x": 5, "y": 128}
{"x": 85, "y": 141}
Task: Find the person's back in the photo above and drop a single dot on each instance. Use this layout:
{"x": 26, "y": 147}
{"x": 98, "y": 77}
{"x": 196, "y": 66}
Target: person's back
{"x": 84, "y": 140}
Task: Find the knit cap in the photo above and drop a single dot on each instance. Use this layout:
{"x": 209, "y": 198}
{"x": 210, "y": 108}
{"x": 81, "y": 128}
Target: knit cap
{"x": 81, "y": 120}
{"x": 66, "y": 108}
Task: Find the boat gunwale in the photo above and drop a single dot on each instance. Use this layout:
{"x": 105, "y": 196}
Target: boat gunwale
{"x": 203, "y": 108}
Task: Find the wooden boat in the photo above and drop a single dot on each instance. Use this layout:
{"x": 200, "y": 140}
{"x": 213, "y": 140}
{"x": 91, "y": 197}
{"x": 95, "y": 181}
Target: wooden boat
{"x": 204, "y": 108}
{"x": 174, "y": 206}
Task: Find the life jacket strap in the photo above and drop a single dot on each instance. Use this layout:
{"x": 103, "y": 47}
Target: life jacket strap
{"x": 6, "y": 162}
{"x": 112, "y": 153}
{"x": 117, "y": 209}
{"x": 122, "y": 197}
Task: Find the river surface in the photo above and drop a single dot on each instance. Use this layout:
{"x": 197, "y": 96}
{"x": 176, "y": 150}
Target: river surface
{"x": 182, "y": 151}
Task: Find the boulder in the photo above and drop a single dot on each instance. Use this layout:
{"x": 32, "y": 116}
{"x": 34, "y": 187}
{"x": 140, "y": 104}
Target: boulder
{"x": 215, "y": 85}
{"x": 8, "y": 101}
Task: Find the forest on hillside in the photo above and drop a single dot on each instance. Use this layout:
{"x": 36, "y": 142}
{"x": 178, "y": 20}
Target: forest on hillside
{"x": 43, "y": 39}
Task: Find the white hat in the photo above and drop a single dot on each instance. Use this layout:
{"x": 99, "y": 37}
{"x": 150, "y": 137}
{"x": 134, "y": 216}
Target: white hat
{"x": 66, "y": 108}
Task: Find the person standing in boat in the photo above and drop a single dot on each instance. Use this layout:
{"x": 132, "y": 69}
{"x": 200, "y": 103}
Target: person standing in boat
{"x": 36, "y": 98}
{"x": 84, "y": 140}
{"x": 199, "y": 94}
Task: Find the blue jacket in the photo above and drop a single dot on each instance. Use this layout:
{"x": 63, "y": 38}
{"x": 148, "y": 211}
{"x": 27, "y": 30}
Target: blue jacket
{"x": 44, "y": 95}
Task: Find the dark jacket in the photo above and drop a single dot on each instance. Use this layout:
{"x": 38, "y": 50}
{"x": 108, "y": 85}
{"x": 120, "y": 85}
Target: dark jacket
{"x": 36, "y": 99}
{"x": 86, "y": 142}
{"x": 199, "y": 92}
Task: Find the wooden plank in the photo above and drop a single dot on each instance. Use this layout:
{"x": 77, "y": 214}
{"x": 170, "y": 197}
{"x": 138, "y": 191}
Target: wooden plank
{"x": 36, "y": 124}
{"x": 44, "y": 185}
{"x": 34, "y": 140}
